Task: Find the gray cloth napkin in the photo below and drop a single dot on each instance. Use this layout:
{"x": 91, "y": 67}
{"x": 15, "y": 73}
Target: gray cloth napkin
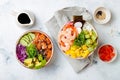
{"x": 60, "y": 18}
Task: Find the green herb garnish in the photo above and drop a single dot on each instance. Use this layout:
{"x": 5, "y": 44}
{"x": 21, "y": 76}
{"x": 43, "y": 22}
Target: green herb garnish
{"x": 80, "y": 40}
{"x": 31, "y": 51}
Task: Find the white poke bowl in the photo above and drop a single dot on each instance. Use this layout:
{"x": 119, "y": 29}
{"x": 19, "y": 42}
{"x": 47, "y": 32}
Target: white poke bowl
{"x": 40, "y": 32}
{"x": 88, "y": 26}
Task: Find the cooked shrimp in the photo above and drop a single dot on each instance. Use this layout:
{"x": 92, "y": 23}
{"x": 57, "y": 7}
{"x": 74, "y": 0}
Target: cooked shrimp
{"x": 66, "y": 36}
{"x": 61, "y": 34}
{"x": 64, "y": 39}
{"x": 69, "y": 25}
{"x": 69, "y": 30}
{"x": 71, "y": 42}
{"x": 72, "y": 37}
{"x": 66, "y": 47}
{"x": 61, "y": 43}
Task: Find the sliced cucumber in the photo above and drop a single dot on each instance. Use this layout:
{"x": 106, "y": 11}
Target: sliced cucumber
{"x": 93, "y": 33}
{"x": 32, "y": 35}
{"x": 27, "y": 38}
{"x": 94, "y": 36}
{"x": 23, "y": 42}
{"x": 91, "y": 49}
{"x": 30, "y": 38}
{"x": 88, "y": 42}
{"x": 95, "y": 45}
{"x": 87, "y": 36}
{"x": 24, "y": 38}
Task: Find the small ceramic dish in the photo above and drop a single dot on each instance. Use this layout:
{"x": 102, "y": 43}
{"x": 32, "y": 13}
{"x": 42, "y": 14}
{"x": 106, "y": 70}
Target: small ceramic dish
{"x": 102, "y": 15}
{"x": 34, "y": 49}
{"x": 24, "y": 18}
{"x": 107, "y": 53}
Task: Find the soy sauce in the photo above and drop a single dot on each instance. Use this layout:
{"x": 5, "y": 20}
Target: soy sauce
{"x": 23, "y": 18}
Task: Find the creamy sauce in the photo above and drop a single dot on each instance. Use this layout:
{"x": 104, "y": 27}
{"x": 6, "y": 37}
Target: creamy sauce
{"x": 100, "y": 15}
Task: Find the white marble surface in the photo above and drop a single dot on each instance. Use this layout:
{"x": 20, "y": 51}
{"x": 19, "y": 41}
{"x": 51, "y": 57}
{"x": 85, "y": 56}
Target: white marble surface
{"x": 59, "y": 69}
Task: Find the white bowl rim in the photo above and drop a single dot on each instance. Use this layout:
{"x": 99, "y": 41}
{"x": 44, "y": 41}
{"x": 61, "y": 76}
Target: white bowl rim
{"x": 80, "y": 57}
{"x": 39, "y": 32}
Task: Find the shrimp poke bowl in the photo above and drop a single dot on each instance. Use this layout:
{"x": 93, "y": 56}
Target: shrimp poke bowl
{"x": 34, "y": 49}
{"x": 78, "y": 39}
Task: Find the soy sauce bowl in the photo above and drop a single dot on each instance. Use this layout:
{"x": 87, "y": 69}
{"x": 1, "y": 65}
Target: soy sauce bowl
{"x": 25, "y": 18}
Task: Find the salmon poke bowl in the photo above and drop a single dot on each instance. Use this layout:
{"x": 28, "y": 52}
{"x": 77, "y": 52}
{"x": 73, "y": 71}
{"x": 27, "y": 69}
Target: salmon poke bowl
{"x": 34, "y": 49}
{"x": 78, "y": 39}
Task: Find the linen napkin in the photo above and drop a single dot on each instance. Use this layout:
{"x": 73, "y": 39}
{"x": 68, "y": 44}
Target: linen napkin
{"x": 60, "y": 18}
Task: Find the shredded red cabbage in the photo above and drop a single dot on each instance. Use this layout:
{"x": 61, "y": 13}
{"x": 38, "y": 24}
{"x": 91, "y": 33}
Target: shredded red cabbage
{"x": 21, "y": 52}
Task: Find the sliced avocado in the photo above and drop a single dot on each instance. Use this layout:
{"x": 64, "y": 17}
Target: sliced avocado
{"x": 28, "y": 61}
{"x": 32, "y": 35}
{"x": 30, "y": 65}
{"x": 38, "y": 65}
{"x": 23, "y": 42}
{"x": 40, "y": 57}
{"x": 34, "y": 59}
{"x": 43, "y": 62}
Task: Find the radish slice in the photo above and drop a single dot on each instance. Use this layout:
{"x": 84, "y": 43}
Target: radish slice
{"x": 78, "y": 24}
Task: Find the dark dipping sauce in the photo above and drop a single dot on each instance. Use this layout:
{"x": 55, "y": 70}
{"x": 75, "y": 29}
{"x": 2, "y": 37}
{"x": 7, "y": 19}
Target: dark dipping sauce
{"x": 23, "y": 18}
